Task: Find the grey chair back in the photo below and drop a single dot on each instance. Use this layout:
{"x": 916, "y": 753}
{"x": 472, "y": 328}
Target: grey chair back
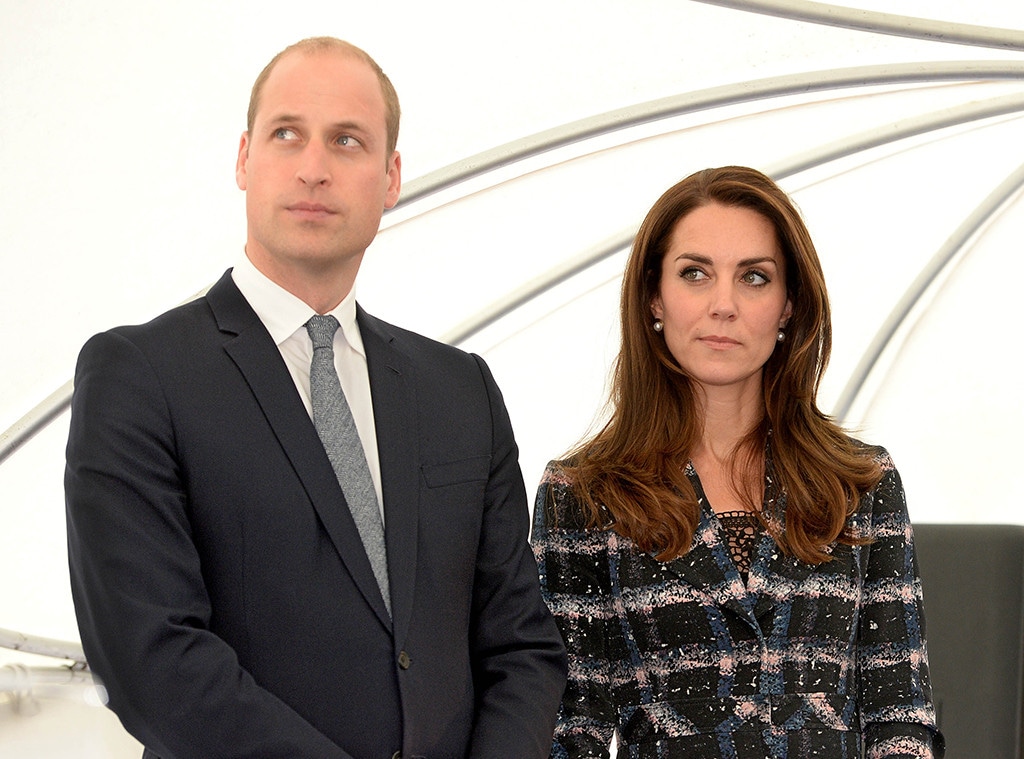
{"x": 973, "y": 581}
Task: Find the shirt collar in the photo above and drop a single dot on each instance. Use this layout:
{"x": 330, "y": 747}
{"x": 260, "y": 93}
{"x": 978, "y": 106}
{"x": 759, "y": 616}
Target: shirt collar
{"x": 282, "y": 313}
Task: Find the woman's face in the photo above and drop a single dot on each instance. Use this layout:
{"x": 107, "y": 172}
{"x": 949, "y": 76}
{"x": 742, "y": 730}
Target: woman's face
{"x": 722, "y": 295}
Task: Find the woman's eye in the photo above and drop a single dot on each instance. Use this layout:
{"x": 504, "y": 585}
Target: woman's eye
{"x": 693, "y": 274}
{"x": 755, "y": 278}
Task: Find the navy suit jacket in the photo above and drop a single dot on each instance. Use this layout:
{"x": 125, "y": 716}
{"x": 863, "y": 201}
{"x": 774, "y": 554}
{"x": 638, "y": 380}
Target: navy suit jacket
{"x": 223, "y": 594}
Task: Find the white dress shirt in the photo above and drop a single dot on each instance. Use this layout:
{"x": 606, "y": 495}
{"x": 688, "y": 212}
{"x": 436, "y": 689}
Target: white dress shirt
{"x": 285, "y": 317}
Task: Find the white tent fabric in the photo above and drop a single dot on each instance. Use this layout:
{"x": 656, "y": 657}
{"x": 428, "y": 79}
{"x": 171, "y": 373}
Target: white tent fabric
{"x": 899, "y": 137}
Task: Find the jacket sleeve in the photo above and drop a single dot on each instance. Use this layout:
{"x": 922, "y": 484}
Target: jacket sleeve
{"x": 897, "y": 715}
{"x": 518, "y": 657}
{"x": 143, "y": 609}
{"x": 576, "y": 584}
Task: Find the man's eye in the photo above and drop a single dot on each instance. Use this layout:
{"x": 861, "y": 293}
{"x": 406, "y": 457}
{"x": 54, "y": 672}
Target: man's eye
{"x": 348, "y": 141}
{"x": 283, "y": 133}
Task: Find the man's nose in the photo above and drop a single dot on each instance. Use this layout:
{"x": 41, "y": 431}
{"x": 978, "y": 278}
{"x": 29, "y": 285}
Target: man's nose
{"x": 314, "y": 168}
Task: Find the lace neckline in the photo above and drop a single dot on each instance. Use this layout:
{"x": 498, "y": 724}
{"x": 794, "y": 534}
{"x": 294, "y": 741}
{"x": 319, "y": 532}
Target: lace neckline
{"x": 741, "y": 531}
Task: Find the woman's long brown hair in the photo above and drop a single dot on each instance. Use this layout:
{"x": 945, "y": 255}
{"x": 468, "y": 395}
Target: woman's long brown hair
{"x": 630, "y": 476}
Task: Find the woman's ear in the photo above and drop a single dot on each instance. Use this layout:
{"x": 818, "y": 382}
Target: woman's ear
{"x": 787, "y": 312}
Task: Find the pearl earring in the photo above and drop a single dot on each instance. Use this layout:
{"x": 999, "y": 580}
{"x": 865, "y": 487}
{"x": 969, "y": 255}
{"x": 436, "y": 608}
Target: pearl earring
{"x": 659, "y": 325}
{"x": 781, "y": 336}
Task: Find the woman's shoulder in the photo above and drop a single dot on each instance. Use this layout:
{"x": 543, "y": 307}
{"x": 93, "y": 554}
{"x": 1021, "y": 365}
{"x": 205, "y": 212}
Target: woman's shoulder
{"x": 558, "y": 472}
{"x": 558, "y": 495}
{"x": 878, "y": 454}
{"x": 868, "y": 449}
{"x": 886, "y": 501}
{"x": 558, "y": 485}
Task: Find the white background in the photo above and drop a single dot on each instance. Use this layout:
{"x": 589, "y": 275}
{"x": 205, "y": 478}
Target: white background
{"x": 119, "y": 126}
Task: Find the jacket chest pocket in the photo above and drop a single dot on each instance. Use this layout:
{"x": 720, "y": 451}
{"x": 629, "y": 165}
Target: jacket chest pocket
{"x": 461, "y": 471}
{"x": 452, "y": 501}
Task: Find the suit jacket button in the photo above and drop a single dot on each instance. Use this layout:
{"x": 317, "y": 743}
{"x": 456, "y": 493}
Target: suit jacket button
{"x": 404, "y": 661}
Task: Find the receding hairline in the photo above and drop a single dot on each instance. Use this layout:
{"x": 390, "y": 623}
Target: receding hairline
{"x": 324, "y": 46}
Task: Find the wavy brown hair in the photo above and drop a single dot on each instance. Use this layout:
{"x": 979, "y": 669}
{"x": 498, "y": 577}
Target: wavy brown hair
{"x": 630, "y": 476}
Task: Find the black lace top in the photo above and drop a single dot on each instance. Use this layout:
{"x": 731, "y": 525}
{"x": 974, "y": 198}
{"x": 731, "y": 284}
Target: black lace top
{"x": 741, "y": 531}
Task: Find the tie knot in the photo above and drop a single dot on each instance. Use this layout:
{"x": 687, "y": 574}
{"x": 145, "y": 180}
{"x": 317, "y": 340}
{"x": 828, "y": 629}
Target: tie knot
{"x": 321, "y": 330}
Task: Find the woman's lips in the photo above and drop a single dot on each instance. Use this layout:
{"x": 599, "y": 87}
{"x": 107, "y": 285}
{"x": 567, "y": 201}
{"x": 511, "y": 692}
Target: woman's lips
{"x": 719, "y": 341}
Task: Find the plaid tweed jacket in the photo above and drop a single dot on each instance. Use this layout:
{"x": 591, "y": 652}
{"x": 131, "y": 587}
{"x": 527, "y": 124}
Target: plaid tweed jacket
{"x": 683, "y": 660}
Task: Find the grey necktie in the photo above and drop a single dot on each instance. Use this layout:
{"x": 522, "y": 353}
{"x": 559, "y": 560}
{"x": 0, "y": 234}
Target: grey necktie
{"x": 332, "y": 418}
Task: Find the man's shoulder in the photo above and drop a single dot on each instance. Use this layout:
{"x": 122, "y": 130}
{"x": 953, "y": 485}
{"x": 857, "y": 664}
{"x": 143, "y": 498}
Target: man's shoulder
{"x": 169, "y": 333}
{"x": 182, "y": 328}
{"x": 196, "y": 311}
{"x": 413, "y": 344}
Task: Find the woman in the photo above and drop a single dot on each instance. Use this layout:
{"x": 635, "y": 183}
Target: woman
{"x": 733, "y": 575}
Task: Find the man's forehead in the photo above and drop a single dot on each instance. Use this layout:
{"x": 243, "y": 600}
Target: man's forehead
{"x": 346, "y": 62}
{"x": 339, "y": 73}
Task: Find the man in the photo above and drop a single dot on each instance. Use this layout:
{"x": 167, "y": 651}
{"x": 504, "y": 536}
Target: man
{"x": 226, "y": 593}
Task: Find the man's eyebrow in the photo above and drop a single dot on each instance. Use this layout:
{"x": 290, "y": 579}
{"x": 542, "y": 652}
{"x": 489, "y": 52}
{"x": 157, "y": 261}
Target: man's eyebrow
{"x": 290, "y": 118}
{"x": 284, "y": 118}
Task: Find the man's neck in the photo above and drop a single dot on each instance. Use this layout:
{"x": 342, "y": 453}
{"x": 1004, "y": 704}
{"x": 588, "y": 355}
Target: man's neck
{"x": 321, "y": 287}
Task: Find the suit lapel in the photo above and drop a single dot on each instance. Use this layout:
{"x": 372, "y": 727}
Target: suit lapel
{"x": 392, "y": 385}
{"x": 708, "y": 566}
{"x": 260, "y": 362}
{"x": 774, "y": 576}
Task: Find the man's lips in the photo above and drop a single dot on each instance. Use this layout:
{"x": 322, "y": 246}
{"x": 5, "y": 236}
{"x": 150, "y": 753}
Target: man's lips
{"x": 310, "y": 210}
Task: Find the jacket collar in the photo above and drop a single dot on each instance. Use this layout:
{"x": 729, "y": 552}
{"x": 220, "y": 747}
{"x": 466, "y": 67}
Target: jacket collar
{"x": 393, "y": 385}
{"x": 251, "y": 348}
{"x": 709, "y": 566}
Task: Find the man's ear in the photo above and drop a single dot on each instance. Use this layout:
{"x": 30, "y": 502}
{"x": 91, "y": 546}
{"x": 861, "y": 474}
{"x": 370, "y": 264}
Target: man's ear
{"x": 394, "y": 180}
{"x": 243, "y": 156}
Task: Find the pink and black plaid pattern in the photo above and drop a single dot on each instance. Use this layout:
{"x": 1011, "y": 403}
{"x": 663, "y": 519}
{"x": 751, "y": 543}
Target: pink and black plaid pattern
{"x": 684, "y": 661}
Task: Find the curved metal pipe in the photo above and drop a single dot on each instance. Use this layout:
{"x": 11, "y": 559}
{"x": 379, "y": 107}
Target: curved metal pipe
{"x": 857, "y": 143}
{"x": 34, "y": 644}
{"x": 702, "y": 100}
{"x": 857, "y": 19}
{"x": 537, "y": 286}
{"x": 921, "y": 284}
{"x": 37, "y": 418}
{"x": 25, "y": 685}
{"x": 910, "y": 127}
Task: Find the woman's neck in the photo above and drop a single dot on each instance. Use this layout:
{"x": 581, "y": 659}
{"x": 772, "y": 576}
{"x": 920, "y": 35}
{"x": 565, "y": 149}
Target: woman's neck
{"x": 729, "y": 416}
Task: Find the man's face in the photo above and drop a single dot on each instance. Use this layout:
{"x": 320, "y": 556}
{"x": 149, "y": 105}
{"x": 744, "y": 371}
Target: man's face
{"x": 315, "y": 167}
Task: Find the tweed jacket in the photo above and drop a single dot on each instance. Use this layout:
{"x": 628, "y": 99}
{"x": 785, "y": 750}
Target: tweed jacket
{"x": 684, "y": 660}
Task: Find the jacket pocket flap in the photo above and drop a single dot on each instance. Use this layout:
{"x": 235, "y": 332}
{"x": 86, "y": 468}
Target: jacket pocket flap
{"x": 792, "y": 711}
{"x": 473, "y": 469}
